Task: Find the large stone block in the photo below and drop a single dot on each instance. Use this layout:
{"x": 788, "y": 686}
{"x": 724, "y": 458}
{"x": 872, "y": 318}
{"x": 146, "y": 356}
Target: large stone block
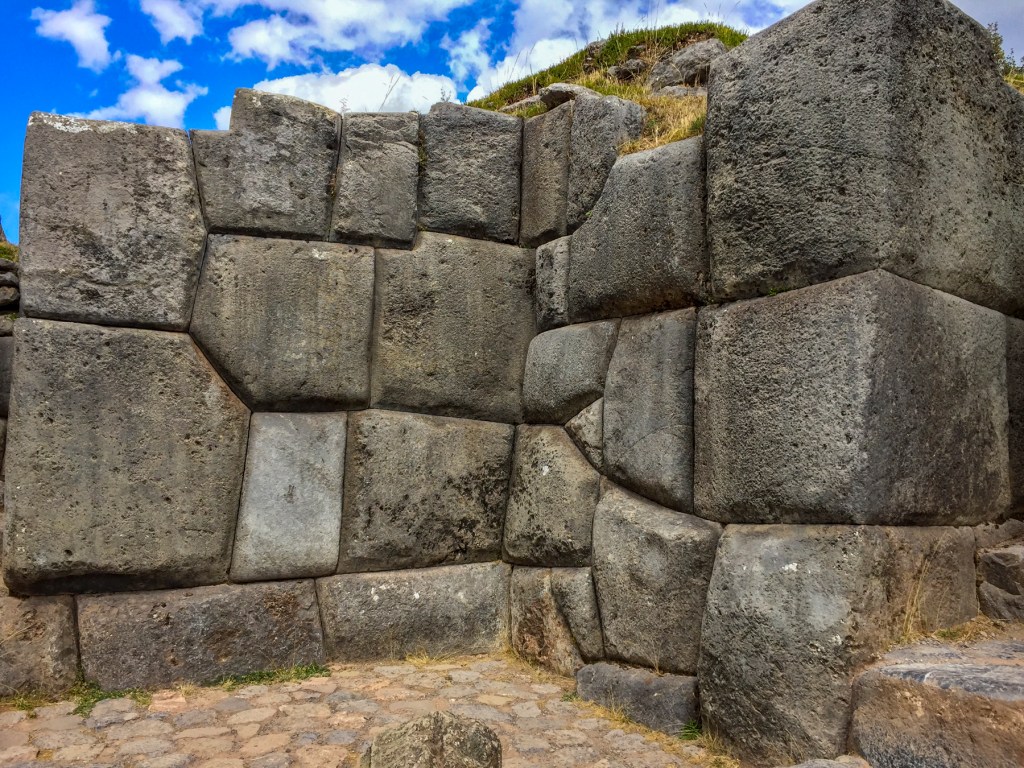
{"x": 469, "y": 183}
{"x": 38, "y": 649}
{"x": 449, "y": 610}
{"x": 648, "y": 408}
{"x": 288, "y": 322}
{"x": 865, "y": 400}
{"x": 665, "y": 703}
{"x": 125, "y": 461}
{"x": 642, "y": 250}
{"x": 944, "y": 707}
{"x": 272, "y": 173}
{"x": 911, "y": 167}
{"x": 651, "y": 570}
{"x": 545, "y": 175}
{"x": 793, "y": 612}
{"x": 409, "y": 504}
{"x": 454, "y": 321}
{"x": 111, "y": 227}
{"x": 378, "y": 171}
{"x": 552, "y": 498}
{"x": 1015, "y": 403}
{"x": 6, "y": 373}
{"x": 156, "y": 639}
{"x": 289, "y": 521}
{"x": 565, "y": 370}
{"x": 553, "y": 284}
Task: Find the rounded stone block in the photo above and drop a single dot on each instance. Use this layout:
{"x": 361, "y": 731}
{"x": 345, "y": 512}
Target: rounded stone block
{"x": 288, "y": 322}
{"x": 409, "y": 504}
{"x": 38, "y": 648}
{"x": 111, "y": 227}
{"x": 125, "y": 461}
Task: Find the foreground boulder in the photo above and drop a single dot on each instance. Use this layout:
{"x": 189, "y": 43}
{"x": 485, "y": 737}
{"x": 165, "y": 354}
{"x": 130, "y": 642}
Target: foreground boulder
{"x": 665, "y": 703}
{"x": 439, "y": 740}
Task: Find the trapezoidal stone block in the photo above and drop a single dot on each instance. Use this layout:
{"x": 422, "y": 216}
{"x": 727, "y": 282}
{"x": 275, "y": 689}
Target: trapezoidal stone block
{"x": 454, "y": 609}
{"x": 157, "y": 639}
{"x": 272, "y": 173}
{"x": 910, "y": 167}
{"x": 111, "y": 227}
{"x": 454, "y": 321}
{"x": 662, "y": 702}
{"x": 125, "y": 461}
{"x": 38, "y": 648}
{"x": 289, "y": 520}
{"x": 469, "y": 183}
{"x": 642, "y": 249}
{"x": 545, "y": 175}
{"x": 793, "y": 612}
{"x": 378, "y": 171}
{"x": 409, "y": 504}
{"x": 869, "y": 399}
{"x": 288, "y": 322}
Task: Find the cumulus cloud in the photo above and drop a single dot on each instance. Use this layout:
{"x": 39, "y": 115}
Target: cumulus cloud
{"x": 222, "y": 117}
{"x": 149, "y": 99}
{"x": 175, "y": 18}
{"x": 81, "y": 26}
{"x": 467, "y": 54}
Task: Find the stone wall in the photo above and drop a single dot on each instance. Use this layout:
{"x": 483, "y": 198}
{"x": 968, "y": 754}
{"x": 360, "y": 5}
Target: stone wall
{"x": 736, "y": 409}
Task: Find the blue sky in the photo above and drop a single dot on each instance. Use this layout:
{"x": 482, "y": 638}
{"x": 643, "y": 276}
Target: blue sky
{"x": 178, "y": 62}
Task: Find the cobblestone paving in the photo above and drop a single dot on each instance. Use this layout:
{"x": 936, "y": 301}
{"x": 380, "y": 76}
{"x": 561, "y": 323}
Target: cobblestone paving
{"x": 326, "y": 722}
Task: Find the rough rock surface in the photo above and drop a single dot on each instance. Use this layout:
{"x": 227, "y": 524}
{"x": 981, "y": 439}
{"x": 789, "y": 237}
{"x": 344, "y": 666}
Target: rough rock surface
{"x": 553, "y": 284}
{"x": 423, "y": 491}
{"x": 378, "y": 173}
{"x": 271, "y": 174}
{"x": 599, "y": 128}
{"x": 651, "y": 570}
{"x": 566, "y": 369}
{"x": 586, "y": 429}
{"x": 111, "y": 228}
{"x": 289, "y": 521}
{"x": 437, "y": 611}
{"x": 454, "y": 321}
{"x": 469, "y": 183}
{"x": 545, "y": 175}
{"x": 1001, "y": 582}
{"x": 288, "y": 322}
{"x": 438, "y": 740}
{"x": 687, "y": 66}
{"x": 38, "y": 648}
{"x": 151, "y": 639}
{"x": 793, "y": 612}
{"x": 945, "y": 707}
{"x": 124, "y": 464}
{"x": 683, "y": 92}
{"x": 642, "y": 250}
{"x": 663, "y": 703}
{"x": 865, "y": 400}
{"x": 648, "y": 408}
{"x": 1015, "y": 403}
{"x": 551, "y": 96}
{"x": 552, "y": 498}
{"x": 907, "y": 169}
{"x": 6, "y": 373}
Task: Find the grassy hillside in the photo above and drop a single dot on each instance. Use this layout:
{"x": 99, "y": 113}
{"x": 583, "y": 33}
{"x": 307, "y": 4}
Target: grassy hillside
{"x": 8, "y": 251}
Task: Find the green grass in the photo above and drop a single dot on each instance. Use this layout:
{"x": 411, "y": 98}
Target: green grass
{"x": 88, "y": 695}
{"x": 691, "y": 731}
{"x": 269, "y": 677}
{"x": 8, "y": 251}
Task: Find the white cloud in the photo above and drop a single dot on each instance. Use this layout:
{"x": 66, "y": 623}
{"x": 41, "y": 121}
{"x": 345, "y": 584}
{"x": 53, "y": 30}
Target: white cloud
{"x": 149, "y": 100}
{"x": 367, "y": 88}
{"x": 222, "y": 117}
{"x": 175, "y": 18}
{"x": 81, "y": 26}
{"x": 467, "y": 55}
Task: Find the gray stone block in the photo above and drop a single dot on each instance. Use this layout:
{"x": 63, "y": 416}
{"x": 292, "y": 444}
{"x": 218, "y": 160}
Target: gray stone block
{"x": 423, "y": 491}
{"x": 599, "y": 128}
{"x": 996, "y": 534}
{"x": 289, "y": 521}
{"x": 551, "y": 96}
{"x": 125, "y": 461}
{"x": 586, "y": 429}
{"x": 288, "y": 322}
{"x": 642, "y": 250}
{"x": 545, "y": 175}
{"x": 38, "y": 648}
{"x": 156, "y": 639}
{"x": 651, "y": 570}
{"x": 378, "y": 173}
{"x": 565, "y": 370}
{"x": 6, "y": 373}
{"x": 663, "y": 703}
{"x": 552, "y": 498}
{"x": 450, "y": 610}
{"x": 272, "y": 173}
{"x": 648, "y": 408}
{"x": 1001, "y": 582}
{"x": 1015, "y": 404}
{"x": 439, "y": 740}
{"x": 794, "y": 612}
{"x": 909, "y": 168}
{"x": 469, "y": 183}
{"x": 553, "y": 284}
{"x": 111, "y": 227}
{"x": 1000, "y": 605}
{"x": 865, "y": 400}
{"x": 454, "y": 321}
{"x": 687, "y": 66}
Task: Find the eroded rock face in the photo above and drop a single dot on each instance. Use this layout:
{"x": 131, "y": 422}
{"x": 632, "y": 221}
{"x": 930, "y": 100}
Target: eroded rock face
{"x": 38, "y": 648}
{"x": 125, "y": 461}
{"x": 423, "y": 491}
{"x": 1001, "y": 582}
{"x": 439, "y": 740}
{"x": 553, "y": 284}
{"x": 111, "y": 230}
{"x": 545, "y": 175}
{"x": 663, "y": 703}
